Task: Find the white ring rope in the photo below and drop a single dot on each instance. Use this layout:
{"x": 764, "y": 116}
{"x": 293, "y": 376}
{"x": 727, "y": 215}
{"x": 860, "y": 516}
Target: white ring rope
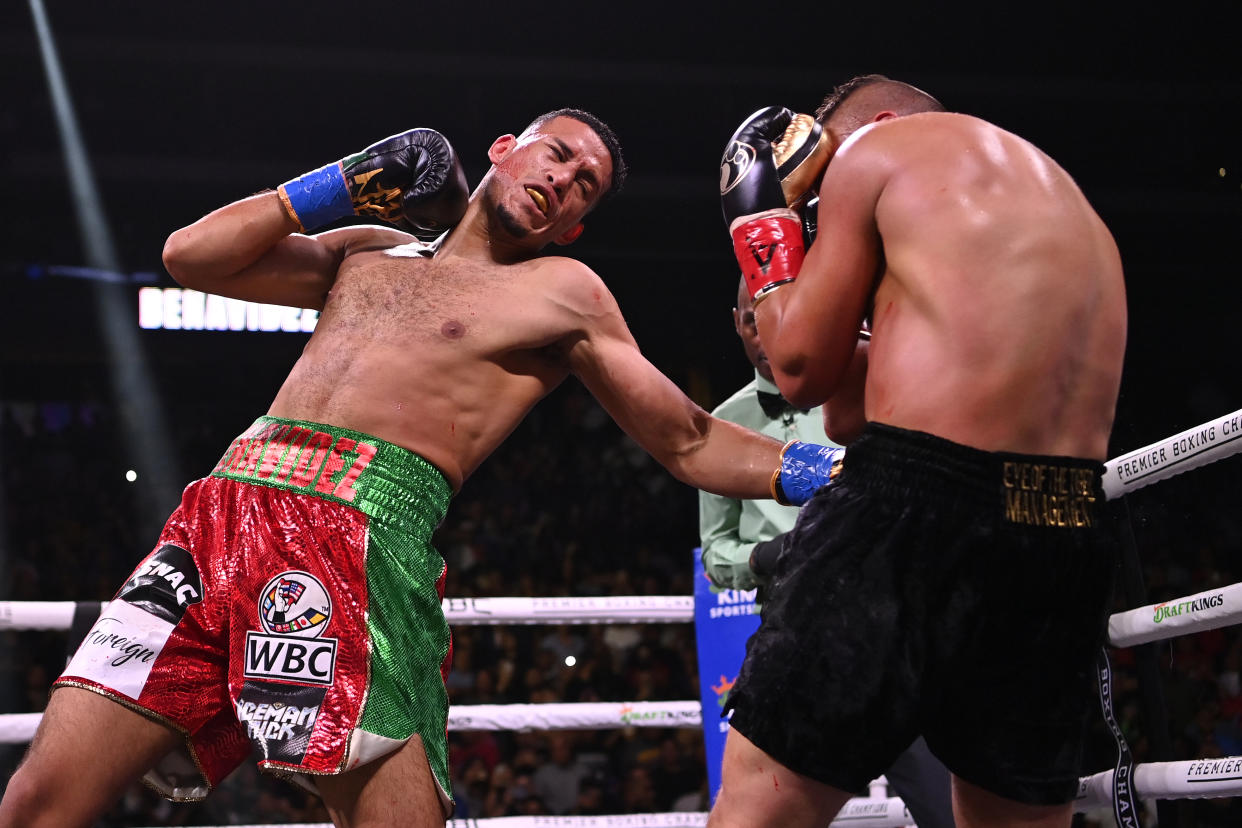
{"x": 622, "y": 609}
{"x": 19, "y": 728}
{"x": 1190, "y": 449}
{"x": 1208, "y": 610}
{"x": 615, "y": 609}
{"x": 38, "y": 615}
{"x": 575, "y": 715}
{"x": 874, "y": 813}
{"x": 1191, "y": 779}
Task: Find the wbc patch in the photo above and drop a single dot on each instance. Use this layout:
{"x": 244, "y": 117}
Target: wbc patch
{"x": 294, "y": 610}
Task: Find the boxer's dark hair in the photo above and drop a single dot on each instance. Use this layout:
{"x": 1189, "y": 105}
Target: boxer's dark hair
{"x": 901, "y": 97}
{"x": 605, "y": 133}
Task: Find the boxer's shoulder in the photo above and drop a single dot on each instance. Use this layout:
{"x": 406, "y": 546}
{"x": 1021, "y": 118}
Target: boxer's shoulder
{"x": 570, "y": 282}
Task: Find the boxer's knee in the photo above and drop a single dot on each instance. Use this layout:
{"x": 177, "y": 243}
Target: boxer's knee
{"x": 30, "y": 799}
{"x": 87, "y": 749}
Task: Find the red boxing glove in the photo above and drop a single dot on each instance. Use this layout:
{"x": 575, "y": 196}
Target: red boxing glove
{"x": 773, "y": 162}
{"x": 769, "y": 249}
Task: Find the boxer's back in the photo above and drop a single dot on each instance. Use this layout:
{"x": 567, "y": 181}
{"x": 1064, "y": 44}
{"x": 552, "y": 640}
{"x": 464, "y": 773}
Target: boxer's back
{"x": 1000, "y": 317}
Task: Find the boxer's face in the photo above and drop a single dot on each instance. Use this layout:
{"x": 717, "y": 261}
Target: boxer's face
{"x": 545, "y": 181}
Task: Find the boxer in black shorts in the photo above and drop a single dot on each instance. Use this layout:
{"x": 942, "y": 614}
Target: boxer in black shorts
{"x": 954, "y": 579}
{"x": 941, "y": 590}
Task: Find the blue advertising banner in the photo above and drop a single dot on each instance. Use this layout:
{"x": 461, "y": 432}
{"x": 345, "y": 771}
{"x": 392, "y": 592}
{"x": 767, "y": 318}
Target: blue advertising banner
{"x": 723, "y": 620}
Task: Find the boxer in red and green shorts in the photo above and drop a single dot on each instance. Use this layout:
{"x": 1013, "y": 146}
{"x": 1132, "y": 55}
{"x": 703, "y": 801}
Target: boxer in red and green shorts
{"x": 295, "y": 588}
{"x": 292, "y": 605}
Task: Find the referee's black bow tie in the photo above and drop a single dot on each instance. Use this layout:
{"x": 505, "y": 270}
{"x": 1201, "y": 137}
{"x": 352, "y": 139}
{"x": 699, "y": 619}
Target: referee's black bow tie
{"x": 774, "y": 405}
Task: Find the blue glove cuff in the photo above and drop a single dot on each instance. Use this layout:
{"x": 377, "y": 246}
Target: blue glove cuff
{"x": 805, "y": 469}
{"x": 318, "y": 197}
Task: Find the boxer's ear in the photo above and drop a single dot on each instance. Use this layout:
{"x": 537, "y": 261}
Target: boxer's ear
{"x": 571, "y": 235}
{"x": 501, "y": 147}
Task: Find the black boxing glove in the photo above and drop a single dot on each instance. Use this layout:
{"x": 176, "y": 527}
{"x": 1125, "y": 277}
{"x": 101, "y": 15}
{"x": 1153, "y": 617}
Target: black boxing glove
{"x": 764, "y": 557}
{"x": 413, "y": 180}
{"x": 771, "y": 164}
{"x": 749, "y": 183}
{"x": 810, "y": 220}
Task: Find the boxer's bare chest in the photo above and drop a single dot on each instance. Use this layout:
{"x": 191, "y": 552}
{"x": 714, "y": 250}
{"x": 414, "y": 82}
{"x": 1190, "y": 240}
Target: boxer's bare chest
{"x": 433, "y": 302}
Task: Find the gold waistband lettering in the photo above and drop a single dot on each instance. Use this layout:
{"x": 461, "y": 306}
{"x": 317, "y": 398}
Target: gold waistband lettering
{"x": 1040, "y": 494}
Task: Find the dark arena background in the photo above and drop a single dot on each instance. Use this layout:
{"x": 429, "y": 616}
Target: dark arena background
{"x": 123, "y": 121}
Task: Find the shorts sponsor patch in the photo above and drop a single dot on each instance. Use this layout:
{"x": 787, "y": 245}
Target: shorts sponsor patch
{"x": 294, "y": 610}
{"x": 279, "y": 719}
{"x": 121, "y": 648}
{"x": 165, "y": 584}
{"x": 289, "y": 658}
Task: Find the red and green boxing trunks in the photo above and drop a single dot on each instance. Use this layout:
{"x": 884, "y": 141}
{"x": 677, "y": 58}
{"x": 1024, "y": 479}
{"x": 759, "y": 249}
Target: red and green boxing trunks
{"x": 292, "y": 607}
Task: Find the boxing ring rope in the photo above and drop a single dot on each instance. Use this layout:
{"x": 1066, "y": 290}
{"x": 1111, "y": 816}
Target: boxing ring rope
{"x": 1201, "y": 611}
{"x": 1186, "y": 450}
{"x": 616, "y": 609}
{"x": 18, "y": 728}
{"x": 872, "y": 813}
{"x": 1197, "y": 778}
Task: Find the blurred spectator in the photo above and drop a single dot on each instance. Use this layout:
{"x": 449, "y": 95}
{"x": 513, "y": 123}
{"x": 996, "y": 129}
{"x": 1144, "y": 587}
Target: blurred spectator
{"x": 471, "y": 787}
{"x": 558, "y": 780}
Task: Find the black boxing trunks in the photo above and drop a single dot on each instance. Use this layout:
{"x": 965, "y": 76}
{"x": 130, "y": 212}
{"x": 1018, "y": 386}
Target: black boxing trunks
{"x": 940, "y": 590}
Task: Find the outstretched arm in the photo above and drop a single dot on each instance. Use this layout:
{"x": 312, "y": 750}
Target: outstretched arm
{"x": 698, "y": 449}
